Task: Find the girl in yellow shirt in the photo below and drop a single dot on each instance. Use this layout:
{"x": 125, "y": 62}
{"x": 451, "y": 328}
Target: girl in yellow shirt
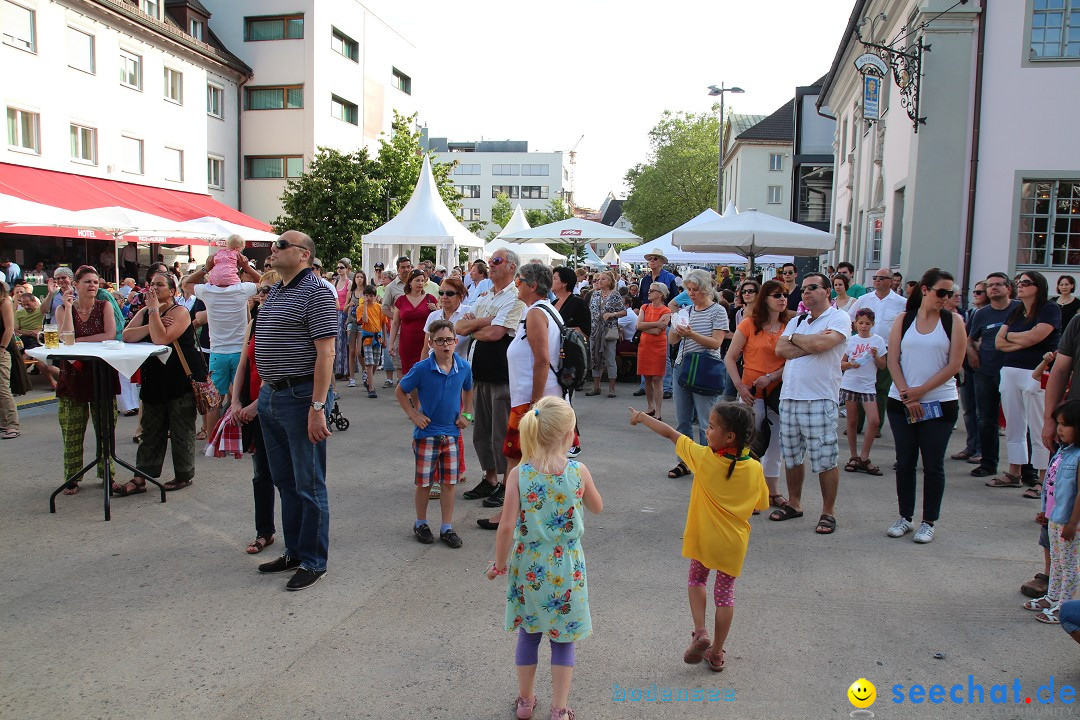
{"x": 728, "y": 486}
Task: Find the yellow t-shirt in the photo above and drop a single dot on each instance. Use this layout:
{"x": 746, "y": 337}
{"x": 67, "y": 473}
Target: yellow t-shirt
{"x": 717, "y": 520}
{"x": 375, "y": 319}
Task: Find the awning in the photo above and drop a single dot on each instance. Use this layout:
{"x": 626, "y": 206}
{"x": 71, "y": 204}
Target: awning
{"x": 79, "y": 192}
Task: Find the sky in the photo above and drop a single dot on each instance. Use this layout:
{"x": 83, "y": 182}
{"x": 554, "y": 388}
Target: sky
{"x": 554, "y": 71}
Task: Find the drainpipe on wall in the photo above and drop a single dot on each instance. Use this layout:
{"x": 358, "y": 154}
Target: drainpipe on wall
{"x": 973, "y": 170}
{"x": 239, "y": 143}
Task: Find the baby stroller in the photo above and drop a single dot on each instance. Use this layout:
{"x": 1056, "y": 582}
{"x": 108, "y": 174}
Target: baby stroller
{"x": 336, "y": 418}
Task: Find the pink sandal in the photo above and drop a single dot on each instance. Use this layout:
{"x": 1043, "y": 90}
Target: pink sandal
{"x": 698, "y": 646}
{"x": 523, "y": 708}
{"x": 716, "y": 663}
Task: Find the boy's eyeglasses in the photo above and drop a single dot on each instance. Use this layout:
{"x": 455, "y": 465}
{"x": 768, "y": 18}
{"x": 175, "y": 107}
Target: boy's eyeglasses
{"x": 444, "y": 341}
{"x": 448, "y": 293}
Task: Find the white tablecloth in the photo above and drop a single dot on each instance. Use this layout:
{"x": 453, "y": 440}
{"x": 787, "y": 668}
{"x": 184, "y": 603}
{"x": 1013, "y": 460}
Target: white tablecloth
{"x": 125, "y": 357}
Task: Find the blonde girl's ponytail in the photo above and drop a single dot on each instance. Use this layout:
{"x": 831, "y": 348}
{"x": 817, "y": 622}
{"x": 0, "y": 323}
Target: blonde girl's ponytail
{"x": 544, "y": 428}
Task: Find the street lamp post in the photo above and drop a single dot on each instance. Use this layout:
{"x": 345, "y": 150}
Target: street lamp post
{"x": 713, "y": 90}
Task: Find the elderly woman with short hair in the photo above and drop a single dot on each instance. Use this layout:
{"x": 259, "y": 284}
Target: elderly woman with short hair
{"x": 703, "y": 331}
{"x": 606, "y": 306}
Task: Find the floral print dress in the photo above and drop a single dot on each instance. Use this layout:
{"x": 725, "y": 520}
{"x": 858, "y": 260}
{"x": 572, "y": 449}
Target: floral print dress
{"x": 548, "y": 591}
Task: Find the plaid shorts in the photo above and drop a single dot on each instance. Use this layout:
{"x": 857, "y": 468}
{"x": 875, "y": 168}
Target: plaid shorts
{"x": 858, "y": 397}
{"x": 808, "y": 426}
{"x": 369, "y": 354}
{"x": 439, "y": 460}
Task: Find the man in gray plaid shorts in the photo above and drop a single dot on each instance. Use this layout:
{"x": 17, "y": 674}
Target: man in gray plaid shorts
{"x": 813, "y": 344}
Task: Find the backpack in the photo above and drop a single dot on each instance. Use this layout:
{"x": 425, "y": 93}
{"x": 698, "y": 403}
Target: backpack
{"x": 575, "y": 366}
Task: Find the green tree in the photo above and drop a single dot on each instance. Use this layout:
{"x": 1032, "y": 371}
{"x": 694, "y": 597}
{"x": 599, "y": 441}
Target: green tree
{"x": 343, "y": 196}
{"x": 501, "y": 212}
{"x": 679, "y": 179}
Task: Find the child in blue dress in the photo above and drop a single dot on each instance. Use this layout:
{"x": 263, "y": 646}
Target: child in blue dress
{"x": 542, "y": 518}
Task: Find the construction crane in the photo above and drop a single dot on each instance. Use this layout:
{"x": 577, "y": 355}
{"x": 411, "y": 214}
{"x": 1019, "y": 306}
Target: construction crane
{"x": 572, "y": 152}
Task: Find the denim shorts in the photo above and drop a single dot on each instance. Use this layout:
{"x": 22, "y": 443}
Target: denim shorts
{"x": 1044, "y": 537}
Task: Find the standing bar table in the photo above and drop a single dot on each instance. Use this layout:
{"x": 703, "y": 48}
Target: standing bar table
{"x": 125, "y": 358}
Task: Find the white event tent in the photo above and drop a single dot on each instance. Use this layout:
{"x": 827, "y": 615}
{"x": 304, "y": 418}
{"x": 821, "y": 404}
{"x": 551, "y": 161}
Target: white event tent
{"x": 424, "y": 221}
{"x": 526, "y": 252}
{"x": 664, "y": 246}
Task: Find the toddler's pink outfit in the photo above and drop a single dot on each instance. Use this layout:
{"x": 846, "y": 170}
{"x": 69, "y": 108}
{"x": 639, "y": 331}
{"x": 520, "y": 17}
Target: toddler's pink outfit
{"x": 224, "y": 272}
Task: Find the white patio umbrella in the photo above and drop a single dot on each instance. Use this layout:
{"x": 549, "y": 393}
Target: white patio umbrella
{"x": 15, "y": 210}
{"x": 752, "y": 233}
{"x": 663, "y": 246}
{"x": 223, "y": 228}
{"x": 574, "y": 231}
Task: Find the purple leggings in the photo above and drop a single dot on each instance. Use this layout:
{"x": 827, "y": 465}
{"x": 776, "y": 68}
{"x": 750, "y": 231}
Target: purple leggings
{"x": 528, "y": 649}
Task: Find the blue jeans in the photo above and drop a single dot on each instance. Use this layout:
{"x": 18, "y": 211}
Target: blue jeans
{"x": 667, "y": 377}
{"x": 686, "y": 405}
{"x": 988, "y": 400}
{"x": 970, "y": 403}
{"x": 299, "y": 471}
{"x": 1069, "y": 614}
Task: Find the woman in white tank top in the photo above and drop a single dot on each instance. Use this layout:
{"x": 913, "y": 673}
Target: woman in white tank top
{"x": 923, "y": 405}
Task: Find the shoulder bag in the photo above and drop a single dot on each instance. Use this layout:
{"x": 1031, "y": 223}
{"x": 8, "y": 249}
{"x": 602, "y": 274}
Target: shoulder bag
{"x": 206, "y": 395}
{"x": 701, "y": 372}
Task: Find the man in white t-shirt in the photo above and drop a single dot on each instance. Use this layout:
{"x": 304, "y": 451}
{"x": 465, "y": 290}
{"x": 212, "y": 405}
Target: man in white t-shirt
{"x": 813, "y": 344}
{"x": 226, "y": 321}
{"x": 886, "y": 305}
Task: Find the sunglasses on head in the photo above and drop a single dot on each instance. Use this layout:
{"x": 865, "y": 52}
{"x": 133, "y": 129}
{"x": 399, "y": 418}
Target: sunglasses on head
{"x": 943, "y": 293}
{"x": 282, "y": 243}
{"x": 448, "y": 293}
{"x": 811, "y": 287}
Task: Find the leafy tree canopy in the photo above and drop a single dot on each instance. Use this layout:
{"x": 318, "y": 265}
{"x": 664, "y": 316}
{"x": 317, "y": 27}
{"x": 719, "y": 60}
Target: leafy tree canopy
{"x": 679, "y": 179}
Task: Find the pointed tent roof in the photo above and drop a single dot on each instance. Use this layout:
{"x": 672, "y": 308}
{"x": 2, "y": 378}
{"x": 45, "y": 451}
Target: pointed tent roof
{"x": 525, "y": 251}
{"x": 425, "y": 220}
{"x": 591, "y": 258}
{"x": 611, "y": 257}
{"x": 516, "y": 223}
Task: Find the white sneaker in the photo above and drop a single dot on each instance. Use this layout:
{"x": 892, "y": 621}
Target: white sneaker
{"x": 924, "y": 534}
{"x": 843, "y": 412}
{"x": 352, "y": 383}
{"x": 901, "y": 528}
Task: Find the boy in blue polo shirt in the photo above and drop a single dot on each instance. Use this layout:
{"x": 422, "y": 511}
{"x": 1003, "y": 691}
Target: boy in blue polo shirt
{"x": 444, "y": 386}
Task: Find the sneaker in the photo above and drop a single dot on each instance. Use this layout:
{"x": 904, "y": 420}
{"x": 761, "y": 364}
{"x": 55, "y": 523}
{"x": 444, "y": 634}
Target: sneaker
{"x": 573, "y": 452}
{"x": 372, "y": 394}
{"x": 900, "y": 528}
{"x": 352, "y": 383}
{"x": 639, "y": 392}
{"x": 388, "y": 383}
{"x": 423, "y": 534}
{"x": 282, "y": 564}
{"x": 436, "y": 491}
{"x": 924, "y": 534}
{"x": 843, "y": 412}
{"x": 482, "y": 490}
{"x": 303, "y": 579}
{"x": 667, "y": 394}
{"x": 450, "y": 538}
{"x": 523, "y": 708}
{"x": 495, "y": 499}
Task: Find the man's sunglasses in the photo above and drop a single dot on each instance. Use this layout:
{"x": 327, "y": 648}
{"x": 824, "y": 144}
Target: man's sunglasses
{"x": 788, "y": 272}
{"x": 496, "y": 261}
{"x": 943, "y": 293}
{"x": 448, "y": 293}
{"x": 882, "y": 277}
{"x": 811, "y": 287}
{"x": 282, "y": 243}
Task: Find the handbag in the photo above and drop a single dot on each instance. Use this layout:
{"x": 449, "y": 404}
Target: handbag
{"x": 206, "y": 395}
{"x": 702, "y": 373}
{"x": 612, "y": 333}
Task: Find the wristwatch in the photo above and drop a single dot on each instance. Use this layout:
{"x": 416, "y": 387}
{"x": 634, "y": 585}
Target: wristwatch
{"x": 316, "y": 405}
{"x": 467, "y": 416}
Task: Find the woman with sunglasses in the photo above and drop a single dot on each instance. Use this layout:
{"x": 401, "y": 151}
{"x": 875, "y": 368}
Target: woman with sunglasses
{"x": 755, "y": 340}
{"x": 353, "y": 300}
{"x": 1032, "y": 330}
{"x": 924, "y": 358}
{"x": 410, "y": 314}
{"x": 341, "y": 283}
{"x": 451, "y": 307}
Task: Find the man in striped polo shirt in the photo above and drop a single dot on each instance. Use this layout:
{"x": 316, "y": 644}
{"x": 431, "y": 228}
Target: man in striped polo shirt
{"x": 294, "y": 353}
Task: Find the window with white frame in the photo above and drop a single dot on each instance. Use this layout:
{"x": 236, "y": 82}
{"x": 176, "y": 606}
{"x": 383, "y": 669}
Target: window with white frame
{"x": 83, "y": 144}
{"x": 534, "y": 192}
{"x": 130, "y": 70}
{"x": 174, "y": 85}
{"x": 344, "y": 110}
{"x": 174, "y": 164}
{"x": 534, "y": 169}
{"x": 466, "y": 169}
{"x": 470, "y": 214}
{"x": 1055, "y": 29}
{"x": 776, "y": 162}
{"x": 215, "y": 100}
{"x": 131, "y": 155}
{"x": 195, "y": 29}
{"x": 874, "y": 235}
{"x": 80, "y": 50}
{"x": 468, "y": 191}
{"x": 152, "y": 8}
{"x": 1049, "y": 228}
{"x": 344, "y": 45}
{"x": 273, "y": 167}
{"x": 776, "y": 194}
{"x": 510, "y": 191}
{"x": 215, "y": 172}
{"x": 17, "y": 26}
{"x": 24, "y": 130}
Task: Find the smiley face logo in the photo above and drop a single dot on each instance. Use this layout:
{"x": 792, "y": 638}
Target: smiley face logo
{"x": 862, "y": 693}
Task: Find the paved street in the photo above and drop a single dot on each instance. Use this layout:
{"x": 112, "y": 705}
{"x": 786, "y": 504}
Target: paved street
{"x": 160, "y": 613}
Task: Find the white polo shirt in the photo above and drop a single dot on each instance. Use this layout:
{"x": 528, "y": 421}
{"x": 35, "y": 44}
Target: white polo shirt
{"x": 885, "y": 311}
{"x": 816, "y": 376}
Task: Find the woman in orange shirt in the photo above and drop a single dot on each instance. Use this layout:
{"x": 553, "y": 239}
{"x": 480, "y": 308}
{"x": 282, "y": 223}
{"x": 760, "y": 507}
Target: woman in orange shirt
{"x": 755, "y": 339}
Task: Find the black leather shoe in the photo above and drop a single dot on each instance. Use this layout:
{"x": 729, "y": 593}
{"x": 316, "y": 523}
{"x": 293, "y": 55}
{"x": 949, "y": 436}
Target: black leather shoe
{"x": 667, "y": 394}
{"x": 496, "y": 498}
{"x": 482, "y": 490}
{"x": 983, "y": 472}
{"x": 450, "y": 538}
{"x": 423, "y": 534}
{"x": 487, "y": 524}
{"x": 282, "y": 564}
{"x": 639, "y": 392}
{"x": 303, "y": 579}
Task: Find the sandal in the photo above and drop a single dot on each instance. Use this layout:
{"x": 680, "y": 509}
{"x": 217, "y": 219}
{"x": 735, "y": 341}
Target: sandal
{"x": 72, "y": 489}
{"x": 1049, "y": 616}
{"x": 826, "y": 525}
{"x": 870, "y": 468}
{"x": 201, "y": 435}
{"x": 592, "y": 393}
{"x": 131, "y": 487}
{"x": 1034, "y": 492}
{"x": 1007, "y": 480}
{"x": 9, "y": 434}
{"x": 716, "y": 663}
{"x": 177, "y": 484}
{"x": 853, "y": 465}
{"x": 678, "y": 471}
{"x": 259, "y": 545}
{"x": 1042, "y": 603}
{"x": 777, "y": 500}
{"x": 698, "y": 646}
{"x": 785, "y": 512}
